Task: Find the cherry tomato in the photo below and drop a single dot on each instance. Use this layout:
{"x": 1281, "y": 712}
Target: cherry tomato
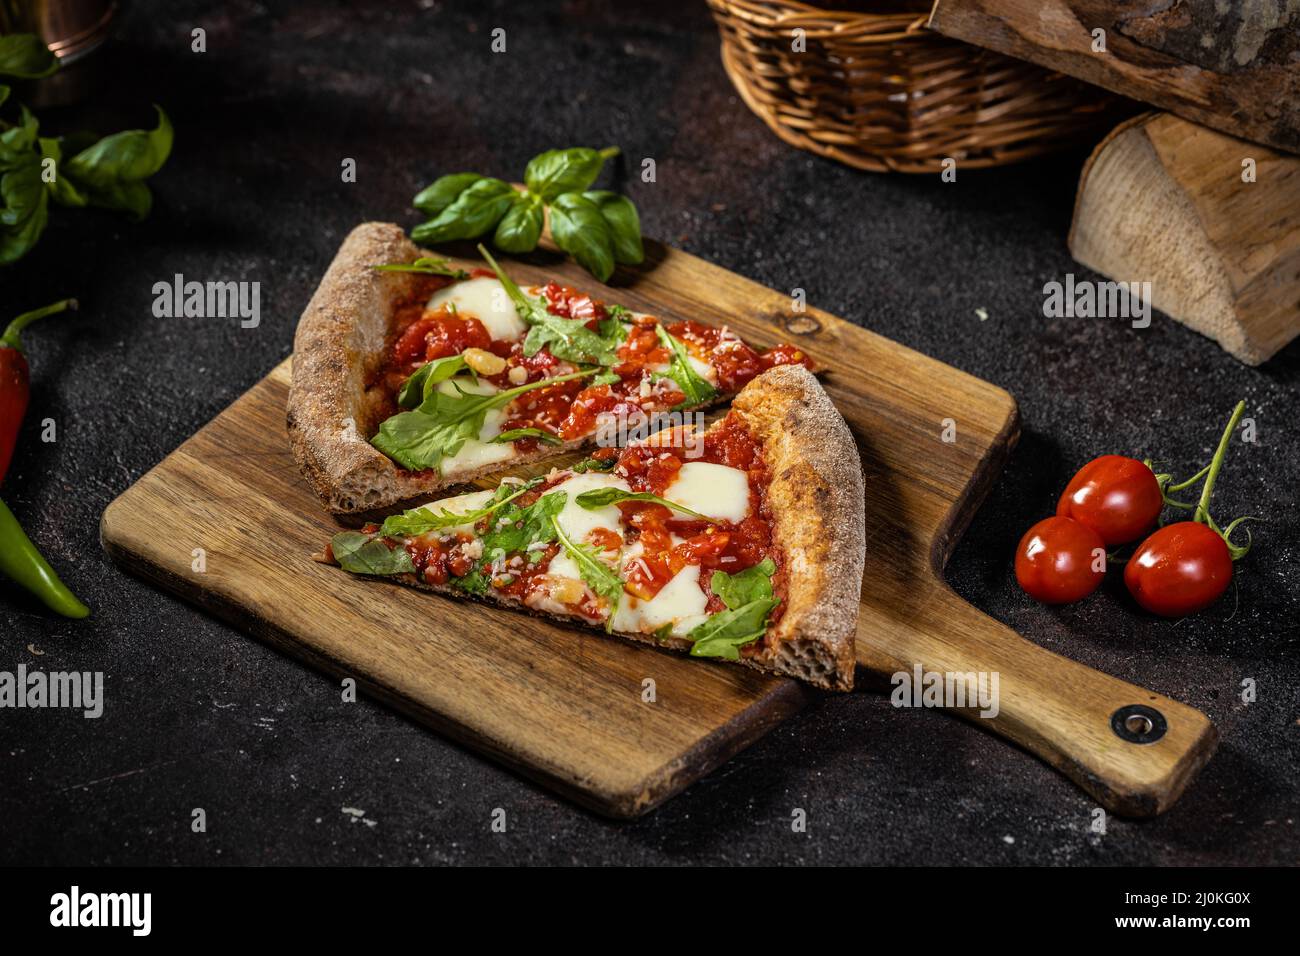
{"x": 1116, "y": 497}
{"x": 1179, "y": 570}
{"x": 1057, "y": 561}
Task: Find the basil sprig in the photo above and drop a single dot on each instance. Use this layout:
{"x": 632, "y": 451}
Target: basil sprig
{"x": 108, "y": 172}
{"x": 749, "y": 601}
{"x": 695, "y": 389}
{"x": 597, "y": 227}
{"x": 440, "y": 426}
{"x": 425, "y": 265}
{"x": 567, "y": 339}
{"x": 600, "y": 497}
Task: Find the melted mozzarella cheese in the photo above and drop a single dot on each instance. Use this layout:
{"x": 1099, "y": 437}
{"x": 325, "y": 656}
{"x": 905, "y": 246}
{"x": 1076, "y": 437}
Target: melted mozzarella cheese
{"x": 577, "y": 521}
{"x": 679, "y": 603}
{"x": 714, "y": 490}
{"x": 486, "y": 300}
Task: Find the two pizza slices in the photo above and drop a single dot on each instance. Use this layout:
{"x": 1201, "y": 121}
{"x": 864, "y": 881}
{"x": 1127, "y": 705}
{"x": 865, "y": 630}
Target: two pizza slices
{"x": 742, "y": 541}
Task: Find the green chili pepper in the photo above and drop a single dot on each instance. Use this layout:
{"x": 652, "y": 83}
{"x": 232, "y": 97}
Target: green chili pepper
{"x": 20, "y": 561}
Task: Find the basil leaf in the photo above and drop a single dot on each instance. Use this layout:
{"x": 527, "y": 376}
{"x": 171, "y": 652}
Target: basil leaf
{"x": 571, "y": 340}
{"x": 439, "y": 428}
{"x": 559, "y": 171}
{"x": 695, "y": 389}
{"x": 363, "y": 554}
{"x": 624, "y": 225}
{"x": 24, "y": 198}
{"x": 600, "y": 577}
{"x": 600, "y": 497}
{"x": 111, "y": 172}
{"x": 63, "y": 190}
{"x": 594, "y": 464}
{"x": 744, "y": 587}
{"x": 475, "y": 211}
{"x": 425, "y": 265}
{"x": 25, "y": 55}
{"x": 416, "y": 389}
{"x": 443, "y": 191}
{"x": 419, "y": 521}
{"x": 515, "y": 434}
{"x": 580, "y": 230}
{"x": 521, "y": 227}
{"x": 749, "y": 600}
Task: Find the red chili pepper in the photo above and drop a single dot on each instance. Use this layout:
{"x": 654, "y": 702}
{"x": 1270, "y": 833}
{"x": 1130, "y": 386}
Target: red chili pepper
{"x": 15, "y": 379}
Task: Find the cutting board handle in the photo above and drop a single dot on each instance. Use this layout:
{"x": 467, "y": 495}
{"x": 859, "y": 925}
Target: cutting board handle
{"x": 1132, "y": 749}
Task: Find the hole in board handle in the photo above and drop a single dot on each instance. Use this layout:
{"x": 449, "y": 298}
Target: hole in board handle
{"x": 1138, "y": 724}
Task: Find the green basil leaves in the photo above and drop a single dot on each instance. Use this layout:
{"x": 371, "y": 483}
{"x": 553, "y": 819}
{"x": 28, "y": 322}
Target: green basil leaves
{"x": 362, "y": 554}
{"x": 80, "y": 169}
{"x": 598, "y": 228}
{"x": 749, "y": 601}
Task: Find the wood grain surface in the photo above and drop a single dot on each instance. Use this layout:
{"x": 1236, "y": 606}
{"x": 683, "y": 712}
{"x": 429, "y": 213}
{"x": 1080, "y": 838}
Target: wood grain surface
{"x": 1164, "y": 201}
{"x": 565, "y": 706}
{"x": 1234, "y": 67}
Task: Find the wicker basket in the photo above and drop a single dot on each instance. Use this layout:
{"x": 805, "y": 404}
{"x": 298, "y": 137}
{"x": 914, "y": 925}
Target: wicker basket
{"x": 880, "y": 91}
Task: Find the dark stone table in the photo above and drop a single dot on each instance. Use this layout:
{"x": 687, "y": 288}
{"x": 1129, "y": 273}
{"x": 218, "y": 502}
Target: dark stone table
{"x": 199, "y": 715}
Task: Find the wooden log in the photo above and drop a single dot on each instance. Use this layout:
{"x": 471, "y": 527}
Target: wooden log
{"x": 1233, "y": 67}
{"x": 1212, "y": 222}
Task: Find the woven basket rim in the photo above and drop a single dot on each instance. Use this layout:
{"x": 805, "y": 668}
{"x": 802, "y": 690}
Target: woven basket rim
{"x": 819, "y": 23}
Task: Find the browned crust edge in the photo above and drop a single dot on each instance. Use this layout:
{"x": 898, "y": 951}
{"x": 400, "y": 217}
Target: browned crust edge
{"x": 817, "y": 501}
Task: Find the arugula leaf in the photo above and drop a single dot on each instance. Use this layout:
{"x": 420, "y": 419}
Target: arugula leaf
{"x": 418, "y": 521}
{"x": 439, "y": 428}
{"x": 476, "y": 582}
{"x": 363, "y": 554}
{"x": 111, "y": 171}
{"x": 578, "y": 228}
{"x": 600, "y": 577}
{"x": 515, "y": 528}
{"x": 695, "y": 389}
{"x": 443, "y": 191}
{"x": 475, "y": 211}
{"x": 624, "y": 225}
{"x": 619, "y": 313}
{"x": 26, "y": 56}
{"x": 749, "y": 601}
{"x": 744, "y": 587}
{"x": 607, "y": 378}
{"x": 600, "y": 497}
{"x": 515, "y": 434}
{"x": 748, "y": 596}
{"x": 559, "y": 171}
{"x": 425, "y": 265}
{"x": 521, "y": 226}
{"x": 416, "y": 389}
{"x": 530, "y": 308}
{"x": 594, "y": 464}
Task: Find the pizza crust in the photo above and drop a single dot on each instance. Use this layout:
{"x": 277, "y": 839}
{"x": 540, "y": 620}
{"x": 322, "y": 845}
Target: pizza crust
{"x": 817, "y": 501}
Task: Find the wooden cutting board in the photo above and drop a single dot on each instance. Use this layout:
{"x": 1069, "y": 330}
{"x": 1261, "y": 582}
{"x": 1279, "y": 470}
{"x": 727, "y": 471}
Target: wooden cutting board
{"x": 570, "y": 708}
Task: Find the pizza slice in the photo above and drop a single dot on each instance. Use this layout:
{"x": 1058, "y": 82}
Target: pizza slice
{"x": 411, "y": 375}
{"x": 743, "y": 541}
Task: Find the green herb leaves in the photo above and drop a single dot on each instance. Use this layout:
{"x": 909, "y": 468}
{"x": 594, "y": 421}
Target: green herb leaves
{"x": 415, "y": 391}
{"x": 599, "y": 576}
{"x": 109, "y": 173}
{"x": 419, "y": 521}
{"x": 748, "y": 597}
{"x": 695, "y": 389}
{"x": 362, "y": 554}
{"x": 598, "y": 228}
{"x": 425, "y": 265}
{"x": 443, "y": 422}
{"x": 515, "y": 434}
{"x": 567, "y": 339}
{"x": 600, "y": 497}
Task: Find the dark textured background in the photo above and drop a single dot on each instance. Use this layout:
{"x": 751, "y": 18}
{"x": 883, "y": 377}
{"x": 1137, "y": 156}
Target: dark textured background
{"x": 198, "y": 715}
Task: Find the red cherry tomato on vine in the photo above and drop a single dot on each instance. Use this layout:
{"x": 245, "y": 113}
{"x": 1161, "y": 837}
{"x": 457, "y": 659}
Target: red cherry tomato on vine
{"x": 1179, "y": 570}
{"x": 1116, "y": 497}
{"x": 1060, "y": 560}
